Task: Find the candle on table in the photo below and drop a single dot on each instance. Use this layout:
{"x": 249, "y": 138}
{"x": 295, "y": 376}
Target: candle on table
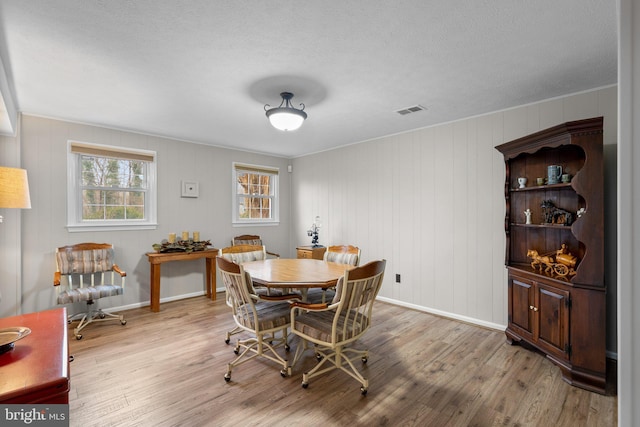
{"x": 172, "y": 237}
{"x": 185, "y": 235}
{"x": 196, "y": 236}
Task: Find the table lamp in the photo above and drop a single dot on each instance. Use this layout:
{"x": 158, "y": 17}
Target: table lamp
{"x": 14, "y": 189}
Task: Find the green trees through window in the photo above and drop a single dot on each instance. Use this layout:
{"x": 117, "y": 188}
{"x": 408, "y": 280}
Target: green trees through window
{"x": 112, "y": 189}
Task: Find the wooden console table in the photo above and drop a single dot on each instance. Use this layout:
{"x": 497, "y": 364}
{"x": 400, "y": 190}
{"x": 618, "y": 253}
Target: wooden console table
{"x": 36, "y": 370}
{"x": 156, "y": 259}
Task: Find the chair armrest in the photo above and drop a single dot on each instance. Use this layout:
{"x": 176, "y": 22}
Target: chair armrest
{"x": 273, "y": 254}
{"x": 120, "y": 272}
{"x": 285, "y": 297}
{"x": 56, "y": 278}
{"x": 309, "y": 306}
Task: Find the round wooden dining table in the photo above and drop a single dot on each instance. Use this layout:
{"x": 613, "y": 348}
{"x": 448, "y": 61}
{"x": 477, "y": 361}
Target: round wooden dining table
{"x": 297, "y": 273}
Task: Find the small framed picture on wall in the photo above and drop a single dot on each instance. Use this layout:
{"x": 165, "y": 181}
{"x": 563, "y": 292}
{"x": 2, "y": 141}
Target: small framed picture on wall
{"x": 189, "y": 189}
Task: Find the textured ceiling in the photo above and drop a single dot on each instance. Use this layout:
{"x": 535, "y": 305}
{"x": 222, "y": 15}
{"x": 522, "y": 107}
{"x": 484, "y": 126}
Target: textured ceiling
{"x": 202, "y": 70}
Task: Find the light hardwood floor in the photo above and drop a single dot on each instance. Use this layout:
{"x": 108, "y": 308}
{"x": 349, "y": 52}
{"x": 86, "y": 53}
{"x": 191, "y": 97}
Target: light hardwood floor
{"x": 167, "y": 369}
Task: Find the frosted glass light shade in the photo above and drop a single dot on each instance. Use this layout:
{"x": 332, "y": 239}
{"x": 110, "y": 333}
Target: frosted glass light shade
{"x": 14, "y": 188}
{"x": 286, "y": 120}
{"x": 285, "y": 117}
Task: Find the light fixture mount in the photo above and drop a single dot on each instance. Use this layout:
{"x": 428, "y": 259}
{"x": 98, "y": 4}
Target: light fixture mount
{"x": 285, "y": 117}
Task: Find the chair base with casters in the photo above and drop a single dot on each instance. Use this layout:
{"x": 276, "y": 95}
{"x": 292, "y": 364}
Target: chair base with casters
{"x": 338, "y": 359}
{"x": 86, "y": 318}
{"x": 92, "y": 263}
{"x": 332, "y": 329}
{"x": 261, "y": 346}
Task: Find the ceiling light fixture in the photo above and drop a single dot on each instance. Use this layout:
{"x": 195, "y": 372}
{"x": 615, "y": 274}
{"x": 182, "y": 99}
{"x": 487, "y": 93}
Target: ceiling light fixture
{"x": 285, "y": 117}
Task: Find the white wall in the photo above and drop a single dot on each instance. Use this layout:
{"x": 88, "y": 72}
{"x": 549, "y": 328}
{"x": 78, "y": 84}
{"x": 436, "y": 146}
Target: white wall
{"x": 10, "y": 242}
{"x": 44, "y": 144}
{"x": 628, "y": 213}
{"x": 431, "y": 202}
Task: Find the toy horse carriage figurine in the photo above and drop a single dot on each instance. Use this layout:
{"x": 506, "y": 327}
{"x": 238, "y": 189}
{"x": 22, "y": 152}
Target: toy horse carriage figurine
{"x": 560, "y": 262}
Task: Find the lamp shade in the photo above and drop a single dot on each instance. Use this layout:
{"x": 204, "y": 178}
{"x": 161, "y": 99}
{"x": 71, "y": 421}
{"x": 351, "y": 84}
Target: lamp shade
{"x": 14, "y": 188}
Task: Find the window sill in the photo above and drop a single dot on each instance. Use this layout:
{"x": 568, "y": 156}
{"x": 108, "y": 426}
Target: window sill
{"x": 78, "y": 228}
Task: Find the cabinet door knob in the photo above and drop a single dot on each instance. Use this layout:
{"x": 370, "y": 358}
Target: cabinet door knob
{"x": 535, "y": 308}
{"x": 530, "y": 307}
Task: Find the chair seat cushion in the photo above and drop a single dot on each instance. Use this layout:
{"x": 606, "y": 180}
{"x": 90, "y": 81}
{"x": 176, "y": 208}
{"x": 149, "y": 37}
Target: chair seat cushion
{"x": 89, "y": 293}
{"x": 317, "y": 325}
{"x": 270, "y": 315}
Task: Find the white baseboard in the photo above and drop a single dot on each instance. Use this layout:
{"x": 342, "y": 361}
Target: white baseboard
{"x": 446, "y": 314}
{"x": 466, "y": 319}
{"x": 148, "y": 303}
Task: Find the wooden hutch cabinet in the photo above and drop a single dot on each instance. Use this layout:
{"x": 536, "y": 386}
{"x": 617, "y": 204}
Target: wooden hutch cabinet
{"x": 556, "y": 295}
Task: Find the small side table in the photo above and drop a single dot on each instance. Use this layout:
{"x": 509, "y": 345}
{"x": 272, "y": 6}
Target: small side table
{"x": 156, "y": 259}
{"x": 311, "y": 252}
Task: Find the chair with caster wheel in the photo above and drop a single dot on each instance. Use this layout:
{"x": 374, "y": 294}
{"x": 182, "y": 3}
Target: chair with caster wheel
{"x": 85, "y": 273}
{"x": 238, "y": 254}
{"x": 333, "y": 327}
{"x": 265, "y": 318}
{"x": 341, "y": 254}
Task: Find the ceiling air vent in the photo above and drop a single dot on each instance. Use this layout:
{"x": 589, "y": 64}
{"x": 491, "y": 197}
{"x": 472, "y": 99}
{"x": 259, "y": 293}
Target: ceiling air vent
{"x": 410, "y": 110}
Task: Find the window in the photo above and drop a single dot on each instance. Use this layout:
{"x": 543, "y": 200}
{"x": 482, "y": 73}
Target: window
{"x": 255, "y": 194}
{"x": 110, "y": 188}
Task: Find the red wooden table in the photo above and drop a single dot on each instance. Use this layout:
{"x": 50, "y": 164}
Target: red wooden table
{"x": 36, "y": 370}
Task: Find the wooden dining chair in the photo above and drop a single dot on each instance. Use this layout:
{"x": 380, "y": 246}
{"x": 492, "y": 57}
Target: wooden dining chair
{"x": 267, "y": 321}
{"x": 341, "y": 254}
{"x": 245, "y": 253}
{"x": 251, "y": 239}
{"x": 238, "y": 254}
{"x": 334, "y": 327}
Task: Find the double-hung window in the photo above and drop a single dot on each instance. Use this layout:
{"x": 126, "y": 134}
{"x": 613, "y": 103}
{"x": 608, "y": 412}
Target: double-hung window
{"x": 110, "y": 188}
{"x": 255, "y": 194}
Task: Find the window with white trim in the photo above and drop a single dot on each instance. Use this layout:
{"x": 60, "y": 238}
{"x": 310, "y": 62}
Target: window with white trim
{"x": 255, "y": 194}
{"x": 110, "y": 188}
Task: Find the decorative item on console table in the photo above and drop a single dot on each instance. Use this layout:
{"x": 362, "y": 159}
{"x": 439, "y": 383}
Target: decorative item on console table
{"x": 181, "y": 246}
{"x": 557, "y": 297}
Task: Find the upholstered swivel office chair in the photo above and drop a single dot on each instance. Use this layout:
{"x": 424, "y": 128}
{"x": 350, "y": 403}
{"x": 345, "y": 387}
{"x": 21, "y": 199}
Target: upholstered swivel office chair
{"x": 266, "y": 321}
{"x": 341, "y": 254}
{"x": 333, "y": 328}
{"x": 251, "y": 239}
{"x": 92, "y": 263}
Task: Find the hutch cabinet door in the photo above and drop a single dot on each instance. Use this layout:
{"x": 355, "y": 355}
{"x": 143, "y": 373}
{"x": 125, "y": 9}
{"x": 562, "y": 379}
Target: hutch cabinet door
{"x": 521, "y": 300}
{"x": 553, "y": 319}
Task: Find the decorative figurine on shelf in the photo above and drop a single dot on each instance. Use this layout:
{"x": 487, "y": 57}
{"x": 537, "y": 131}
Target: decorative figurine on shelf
{"x": 522, "y": 182}
{"x": 581, "y": 212}
{"x": 313, "y": 231}
{"x": 561, "y": 263}
{"x": 527, "y": 215}
{"x": 554, "y": 215}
